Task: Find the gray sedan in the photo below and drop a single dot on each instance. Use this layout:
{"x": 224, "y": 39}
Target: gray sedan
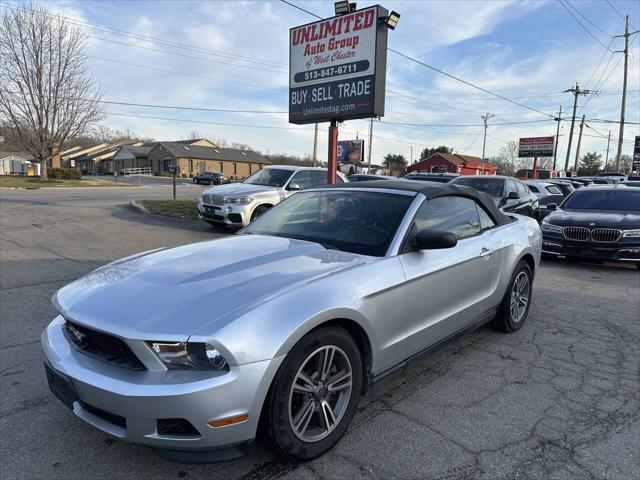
{"x": 288, "y": 323}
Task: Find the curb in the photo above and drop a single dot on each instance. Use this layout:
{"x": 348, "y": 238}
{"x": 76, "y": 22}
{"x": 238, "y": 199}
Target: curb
{"x": 136, "y": 207}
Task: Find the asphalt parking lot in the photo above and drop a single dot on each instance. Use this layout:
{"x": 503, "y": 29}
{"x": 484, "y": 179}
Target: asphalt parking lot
{"x": 558, "y": 399}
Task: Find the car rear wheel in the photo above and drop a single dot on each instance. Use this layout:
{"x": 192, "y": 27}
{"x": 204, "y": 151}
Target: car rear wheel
{"x": 315, "y": 394}
{"x": 195, "y": 180}
{"x": 514, "y": 308}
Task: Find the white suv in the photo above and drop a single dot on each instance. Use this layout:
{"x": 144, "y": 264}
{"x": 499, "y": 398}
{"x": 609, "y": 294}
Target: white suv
{"x": 237, "y": 204}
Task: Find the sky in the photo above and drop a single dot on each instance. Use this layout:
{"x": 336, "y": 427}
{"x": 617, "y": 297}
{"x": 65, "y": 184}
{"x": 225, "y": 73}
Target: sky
{"x": 234, "y": 55}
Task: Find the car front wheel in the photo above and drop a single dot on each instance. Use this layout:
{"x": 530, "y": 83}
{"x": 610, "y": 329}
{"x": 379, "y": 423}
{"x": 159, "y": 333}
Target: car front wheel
{"x": 195, "y": 180}
{"x": 315, "y": 394}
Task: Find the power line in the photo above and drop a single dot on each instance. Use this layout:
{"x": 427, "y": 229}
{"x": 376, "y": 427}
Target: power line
{"x": 604, "y": 54}
{"x": 589, "y": 21}
{"x": 582, "y": 25}
{"x": 148, "y": 38}
{"x": 474, "y": 141}
{"x": 270, "y": 127}
{"x": 616, "y": 10}
{"x": 216, "y": 61}
{"x": 185, "y": 74}
{"x": 442, "y": 72}
{"x": 598, "y": 84}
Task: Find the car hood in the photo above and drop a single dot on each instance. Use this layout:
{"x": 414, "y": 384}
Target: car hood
{"x": 602, "y": 219}
{"x": 239, "y": 189}
{"x": 169, "y": 294}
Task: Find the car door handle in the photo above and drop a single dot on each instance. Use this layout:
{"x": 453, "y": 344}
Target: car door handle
{"x": 486, "y": 252}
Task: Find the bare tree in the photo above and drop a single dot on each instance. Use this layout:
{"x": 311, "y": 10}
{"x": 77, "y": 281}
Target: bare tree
{"x": 47, "y": 95}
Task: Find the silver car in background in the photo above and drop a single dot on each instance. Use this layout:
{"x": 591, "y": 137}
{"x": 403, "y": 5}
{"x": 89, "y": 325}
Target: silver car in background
{"x": 237, "y": 204}
{"x": 289, "y": 322}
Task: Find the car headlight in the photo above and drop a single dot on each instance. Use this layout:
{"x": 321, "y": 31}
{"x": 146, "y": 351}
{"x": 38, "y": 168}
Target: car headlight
{"x": 189, "y": 356}
{"x": 631, "y": 233}
{"x": 238, "y": 200}
{"x": 550, "y": 227}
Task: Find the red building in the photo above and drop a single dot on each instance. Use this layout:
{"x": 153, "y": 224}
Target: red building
{"x": 453, "y": 163}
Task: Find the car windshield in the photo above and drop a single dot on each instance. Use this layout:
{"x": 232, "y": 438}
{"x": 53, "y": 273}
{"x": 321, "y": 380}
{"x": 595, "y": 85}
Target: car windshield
{"x": 553, "y": 190}
{"x": 271, "y": 177}
{"x": 492, "y": 186}
{"x": 614, "y": 199}
{"x": 362, "y": 222}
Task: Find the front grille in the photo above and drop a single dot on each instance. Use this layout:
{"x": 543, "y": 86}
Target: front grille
{"x": 216, "y": 200}
{"x": 576, "y": 233}
{"x": 605, "y": 234}
{"x": 101, "y": 346}
{"x": 104, "y": 415}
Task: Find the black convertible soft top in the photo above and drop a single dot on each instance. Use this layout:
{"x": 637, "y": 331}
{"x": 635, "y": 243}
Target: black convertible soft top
{"x": 434, "y": 190}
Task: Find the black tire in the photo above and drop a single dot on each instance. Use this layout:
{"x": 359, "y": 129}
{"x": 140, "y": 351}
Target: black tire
{"x": 284, "y": 440}
{"x": 505, "y": 320}
{"x": 259, "y": 210}
{"x": 195, "y": 180}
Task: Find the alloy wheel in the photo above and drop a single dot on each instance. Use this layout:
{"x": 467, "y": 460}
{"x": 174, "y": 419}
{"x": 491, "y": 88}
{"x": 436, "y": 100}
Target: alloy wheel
{"x": 520, "y": 293}
{"x": 320, "y": 393}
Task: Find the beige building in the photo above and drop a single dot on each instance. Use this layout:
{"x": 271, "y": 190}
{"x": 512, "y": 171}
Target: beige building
{"x": 196, "y": 157}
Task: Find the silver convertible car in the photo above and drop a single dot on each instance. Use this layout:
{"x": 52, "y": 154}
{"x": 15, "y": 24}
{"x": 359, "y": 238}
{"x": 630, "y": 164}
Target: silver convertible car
{"x": 286, "y": 324}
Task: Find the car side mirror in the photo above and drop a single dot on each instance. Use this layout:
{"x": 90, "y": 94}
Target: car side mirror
{"x": 432, "y": 240}
{"x": 552, "y": 206}
{"x": 293, "y": 186}
{"x": 513, "y": 196}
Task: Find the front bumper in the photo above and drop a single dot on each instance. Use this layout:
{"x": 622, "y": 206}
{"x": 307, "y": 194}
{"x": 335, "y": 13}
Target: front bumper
{"x": 560, "y": 246}
{"x": 143, "y": 397}
{"x": 227, "y": 214}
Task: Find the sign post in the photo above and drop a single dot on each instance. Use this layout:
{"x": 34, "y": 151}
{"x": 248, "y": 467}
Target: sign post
{"x": 337, "y": 71}
{"x": 635, "y": 165}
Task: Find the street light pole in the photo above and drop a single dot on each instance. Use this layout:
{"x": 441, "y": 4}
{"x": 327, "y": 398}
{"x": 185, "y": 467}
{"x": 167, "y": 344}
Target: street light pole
{"x": 485, "y": 117}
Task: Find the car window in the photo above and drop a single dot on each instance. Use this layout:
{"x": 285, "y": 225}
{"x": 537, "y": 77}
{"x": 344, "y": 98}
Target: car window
{"x": 353, "y": 221}
{"x": 457, "y": 215}
{"x": 302, "y": 179}
{"x": 485, "y": 220}
{"x": 533, "y": 188}
{"x": 510, "y": 187}
{"x": 319, "y": 177}
{"x": 272, "y": 177}
{"x": 595, "y": 199}
{"x": 492, "y": 186}
{"x": 553, "y": 190}
{"x": 522, "y": 189}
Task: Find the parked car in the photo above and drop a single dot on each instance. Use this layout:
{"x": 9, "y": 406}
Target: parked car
{"x": 600, "y": 222}
{"x": 564, "y": 186}
{"x": 210, "y": 178}
{"x": 431, "y": 177}
{"x": 186, "y": 349}
{"x": 237, "y": 204}
{"x": 542, "y": 188}
{"x": 508, "y": 193}
{"x": 620, "y": 177}
{"x": 367, "y": 177}
{"x": 583, "y": 180}
{"x": 606, "y": 180}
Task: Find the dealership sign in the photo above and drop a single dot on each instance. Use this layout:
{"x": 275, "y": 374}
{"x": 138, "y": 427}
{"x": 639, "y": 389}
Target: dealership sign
{"x": 337, "y": 67}
{"x": 636, "y": 154}
{"x": 536, "y": 147}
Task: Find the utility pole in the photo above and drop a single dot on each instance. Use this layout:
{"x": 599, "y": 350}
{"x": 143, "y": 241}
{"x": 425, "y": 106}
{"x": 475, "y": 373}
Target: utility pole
{"x": 485, "y": 117}
{"x": 370, "y": 142}
{"x": 411, "y": 155}
{"x": 555, "y": 150}
{"x": 314, "y": 159}
{"x": 575, "y": 168}
{"x": 606, "y": 162}
{"x": 624, "y": 89}
{"x": 576, "y": 93}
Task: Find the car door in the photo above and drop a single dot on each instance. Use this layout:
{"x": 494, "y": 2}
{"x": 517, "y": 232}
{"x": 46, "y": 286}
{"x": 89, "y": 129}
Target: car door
{"x": 301, "y": 180}
{"x": 509, "y": 204}
{"x": 526, "y": 205}
{"x": 448, "y": 289}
